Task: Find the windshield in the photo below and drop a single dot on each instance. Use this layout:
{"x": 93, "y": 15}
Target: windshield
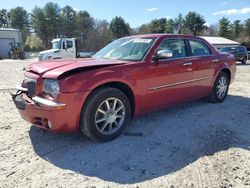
{"x": 225, "y": 49}
{"x": 56, "y": 45}
{"x": 130, "y": 49}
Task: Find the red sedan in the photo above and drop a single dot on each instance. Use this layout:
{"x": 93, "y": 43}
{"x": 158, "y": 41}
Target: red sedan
{"x": 128, "y": 77}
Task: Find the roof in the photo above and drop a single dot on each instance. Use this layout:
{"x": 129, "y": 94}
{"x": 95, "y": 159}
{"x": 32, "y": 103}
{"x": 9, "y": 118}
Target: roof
{"x": 8, "y": 29}
{"x": 59, "y": 39}
{"x": 154, "y": 35}
{"x": 220, "y": 40}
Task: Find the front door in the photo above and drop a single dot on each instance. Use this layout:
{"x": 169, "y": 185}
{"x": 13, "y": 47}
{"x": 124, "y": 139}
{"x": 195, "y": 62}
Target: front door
{"x": 170, "y": 80}
{"x": 68, "y": 49}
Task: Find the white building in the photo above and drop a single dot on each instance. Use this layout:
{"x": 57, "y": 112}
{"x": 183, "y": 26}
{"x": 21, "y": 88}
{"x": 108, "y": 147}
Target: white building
{"x": 6, "y": 36}
{"x": 220, "y": 42}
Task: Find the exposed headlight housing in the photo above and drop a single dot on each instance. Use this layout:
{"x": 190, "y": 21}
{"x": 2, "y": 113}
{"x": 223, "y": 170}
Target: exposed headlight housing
{"x": 51, "y": 87}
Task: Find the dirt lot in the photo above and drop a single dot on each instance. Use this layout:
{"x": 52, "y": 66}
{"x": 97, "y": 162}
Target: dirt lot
{"x": 193, "y": 145}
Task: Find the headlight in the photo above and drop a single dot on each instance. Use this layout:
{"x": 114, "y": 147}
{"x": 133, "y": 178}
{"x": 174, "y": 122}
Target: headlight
{"x": 51, "y": 87}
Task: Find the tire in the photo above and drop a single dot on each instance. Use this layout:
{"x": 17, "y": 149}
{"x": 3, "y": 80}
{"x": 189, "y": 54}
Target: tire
{"x": 216, "y": 96}
{"x": 244, "y": 61}
{"x": 104, "y": 122}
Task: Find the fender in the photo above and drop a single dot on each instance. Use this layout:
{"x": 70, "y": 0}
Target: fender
{"x": 224, "y": 65}
{"x": 88, "y": 81}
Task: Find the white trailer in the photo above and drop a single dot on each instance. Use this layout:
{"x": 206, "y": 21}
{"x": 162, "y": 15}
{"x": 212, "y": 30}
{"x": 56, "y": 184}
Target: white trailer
{"x": 220, "y": 42}
{"x": 6, "y": 36}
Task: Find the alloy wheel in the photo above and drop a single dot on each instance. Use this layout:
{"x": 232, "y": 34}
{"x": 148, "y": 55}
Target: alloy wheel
{"x": 222, "y": 87}
{"x": 109, "y": 116}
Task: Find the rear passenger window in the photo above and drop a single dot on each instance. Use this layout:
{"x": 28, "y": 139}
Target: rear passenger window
{"x": 177, "y": 46}
{"x": 198, "y": 48}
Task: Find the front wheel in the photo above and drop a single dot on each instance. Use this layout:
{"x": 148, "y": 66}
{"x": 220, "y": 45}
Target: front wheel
{"x": 105, "y": 114}
{"x": 220, "y": 89}
{"x": 244, "y": 61}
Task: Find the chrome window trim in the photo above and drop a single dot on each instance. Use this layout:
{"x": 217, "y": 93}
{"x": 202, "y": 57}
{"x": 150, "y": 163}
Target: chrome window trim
{"x": 187, "y": 57}
{"x": 191, "y": 56}
{"x": 177, "y": 83}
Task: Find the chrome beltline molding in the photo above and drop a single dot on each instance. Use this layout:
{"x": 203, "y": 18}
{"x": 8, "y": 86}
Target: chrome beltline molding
{"x": 177, "y": 83}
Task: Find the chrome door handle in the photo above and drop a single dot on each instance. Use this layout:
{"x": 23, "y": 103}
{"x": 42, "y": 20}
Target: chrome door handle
{"x": 187, "y": 64}
{"x": 215, "y": 60}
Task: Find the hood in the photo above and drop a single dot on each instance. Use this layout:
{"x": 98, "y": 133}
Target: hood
{"x": 55, "y": 68}
{"x": 51, "y": 51}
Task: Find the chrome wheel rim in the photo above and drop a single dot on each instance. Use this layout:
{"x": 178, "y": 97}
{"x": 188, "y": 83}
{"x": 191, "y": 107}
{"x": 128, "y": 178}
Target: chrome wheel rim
{"x": 222, "y": 87}
{"x": 110, "y": 116}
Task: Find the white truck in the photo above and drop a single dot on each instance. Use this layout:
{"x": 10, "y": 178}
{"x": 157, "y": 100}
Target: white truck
{"x": 61, "y": 48}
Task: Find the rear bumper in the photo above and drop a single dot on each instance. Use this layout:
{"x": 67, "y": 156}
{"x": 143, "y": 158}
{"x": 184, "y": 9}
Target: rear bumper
{"x": 50, "y": 115}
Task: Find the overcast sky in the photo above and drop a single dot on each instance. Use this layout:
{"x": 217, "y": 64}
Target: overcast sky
{"x": 137, "y": 12}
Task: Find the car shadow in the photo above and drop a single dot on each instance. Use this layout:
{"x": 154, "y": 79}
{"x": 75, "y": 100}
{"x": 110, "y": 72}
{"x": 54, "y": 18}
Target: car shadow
{"x": 154, "y": 145}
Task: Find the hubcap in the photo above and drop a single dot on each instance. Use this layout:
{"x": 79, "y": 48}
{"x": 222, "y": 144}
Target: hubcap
{"x": 109, "y": 116}
{"x": 222, "y": 87}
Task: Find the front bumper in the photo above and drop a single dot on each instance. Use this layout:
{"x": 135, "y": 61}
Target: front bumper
{"x": 50, "y": 115}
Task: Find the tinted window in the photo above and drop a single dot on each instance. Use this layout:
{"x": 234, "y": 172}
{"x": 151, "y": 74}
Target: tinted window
{"x": 237, "y": 50}
{"x": 177, "y": 46}
{"x": 243, "y": 49}
{"x": 198, "y": 48}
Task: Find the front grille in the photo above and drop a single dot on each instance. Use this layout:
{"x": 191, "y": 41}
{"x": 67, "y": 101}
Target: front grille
{"x": 40, "y": 57}
{"x": 30, "y": 84}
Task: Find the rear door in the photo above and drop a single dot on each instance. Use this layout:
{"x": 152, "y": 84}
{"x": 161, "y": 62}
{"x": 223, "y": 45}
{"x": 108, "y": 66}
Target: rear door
{"x": 204, "y": 63}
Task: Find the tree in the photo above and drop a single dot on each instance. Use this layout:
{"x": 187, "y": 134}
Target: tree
{"x": 84, "y": 27}
{"x": 236, "y": 29}
{"x": 3, "y": 18}
{"x": 212, "y": 30}
{"x": 194, "y": 22}
{"x": 53, "y": 19}
{"x": 99, "y": 37}
{"x": 68, "y": 21}
{"x": 170, "y": 26}
{"x": 247, "y": 28}
{"x": 18, "y": 18}
{"x": 38, "y": 22}
{"x": 144, "y": 29}
{"x": 47, "y": 22}
{"x": 179, "y": 24}
{"x": 119, "y": 27}
{"x": 224, "y": 25}
{"x": 158, "y": 25}
{"x": 33, "y": 43}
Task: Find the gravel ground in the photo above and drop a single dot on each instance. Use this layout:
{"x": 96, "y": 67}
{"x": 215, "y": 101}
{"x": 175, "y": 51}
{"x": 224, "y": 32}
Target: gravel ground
{"x": 197, "y": 144}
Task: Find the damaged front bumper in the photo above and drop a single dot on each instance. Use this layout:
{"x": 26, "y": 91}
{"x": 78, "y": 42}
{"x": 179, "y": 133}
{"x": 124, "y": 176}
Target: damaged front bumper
{"x": 21, "y": 100}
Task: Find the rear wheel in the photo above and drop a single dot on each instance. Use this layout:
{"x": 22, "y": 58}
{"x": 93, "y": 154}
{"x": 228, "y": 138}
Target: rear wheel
{"x": 105, "y": 114}
{"x": 220, "y": 89}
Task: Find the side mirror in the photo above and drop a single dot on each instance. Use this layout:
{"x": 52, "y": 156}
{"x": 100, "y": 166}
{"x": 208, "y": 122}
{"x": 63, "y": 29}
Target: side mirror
{"x": 163, "y": 54}
{"x": 65, "y": 45}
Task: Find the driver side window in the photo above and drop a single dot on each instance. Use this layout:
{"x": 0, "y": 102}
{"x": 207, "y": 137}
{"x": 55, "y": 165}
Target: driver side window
{"x": 69, "y": 44}
{"x": 177, "y": 46}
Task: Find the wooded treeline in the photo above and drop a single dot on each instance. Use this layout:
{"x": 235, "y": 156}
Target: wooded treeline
{"x": 52, "y": 21}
